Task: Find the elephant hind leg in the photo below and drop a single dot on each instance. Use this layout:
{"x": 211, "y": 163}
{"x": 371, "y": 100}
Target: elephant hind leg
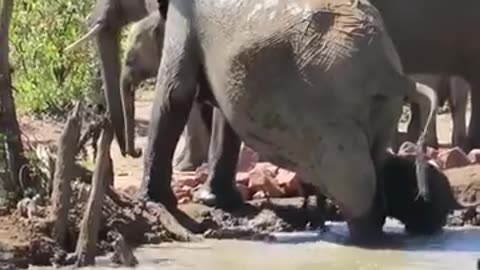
{"x": 347, "y": 174}
{"x": 220, "y": 188}
{"x": 175, "y": 92}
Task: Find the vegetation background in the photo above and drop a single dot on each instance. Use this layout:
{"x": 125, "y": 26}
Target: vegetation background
{"x": 46, "y": 79}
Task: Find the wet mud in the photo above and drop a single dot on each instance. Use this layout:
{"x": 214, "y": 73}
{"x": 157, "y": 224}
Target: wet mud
{"x": 26, "y": 241}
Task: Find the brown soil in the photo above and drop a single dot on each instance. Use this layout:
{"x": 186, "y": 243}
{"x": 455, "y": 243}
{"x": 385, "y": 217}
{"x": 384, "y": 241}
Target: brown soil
{"x": 23, "y": 241}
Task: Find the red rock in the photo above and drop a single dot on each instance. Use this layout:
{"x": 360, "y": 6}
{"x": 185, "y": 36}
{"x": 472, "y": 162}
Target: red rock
{"x": 453, "y": 158}
{"x": 474, "y": 156}
{"x": 188, "y": 179}
{"x": 432, "y": 153}
{"x": 181, "y": 193}
{"x": 289, "y": 181}
{"x": 247, "y": 159}
{"x": 242, "y": 178}
{"x": 244, "y": 191}
{"x": 262, "y": 178}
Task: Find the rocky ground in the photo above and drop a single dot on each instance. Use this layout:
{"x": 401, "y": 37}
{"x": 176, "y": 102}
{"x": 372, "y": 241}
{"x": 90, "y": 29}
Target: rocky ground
{"x": 23, "y": 240}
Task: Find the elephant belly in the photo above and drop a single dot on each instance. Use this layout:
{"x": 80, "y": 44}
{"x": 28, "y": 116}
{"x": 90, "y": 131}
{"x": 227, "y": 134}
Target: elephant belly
{"x": 284, "y": 85}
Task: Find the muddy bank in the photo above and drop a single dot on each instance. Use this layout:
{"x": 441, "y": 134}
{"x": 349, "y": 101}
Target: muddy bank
{"x": 26, "y": 241}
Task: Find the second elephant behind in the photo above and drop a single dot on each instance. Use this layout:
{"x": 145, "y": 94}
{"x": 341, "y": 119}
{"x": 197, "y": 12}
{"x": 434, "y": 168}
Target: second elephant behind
{"x": 453, "y": 89}
{"x": 142, "y": 58}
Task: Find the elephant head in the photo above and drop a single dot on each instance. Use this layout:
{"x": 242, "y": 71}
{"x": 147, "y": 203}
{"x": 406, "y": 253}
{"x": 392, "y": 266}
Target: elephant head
{"x": 142, "y": 58}
{"x": 106, "y": 22}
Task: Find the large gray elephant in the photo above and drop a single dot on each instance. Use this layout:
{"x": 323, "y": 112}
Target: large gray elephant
{"x": 453, "y": 89}
{"x": 319, "y": 87}
{"x": 223, "y": 168}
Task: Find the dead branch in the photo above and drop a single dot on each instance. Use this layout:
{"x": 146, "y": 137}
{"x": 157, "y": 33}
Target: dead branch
{"x": 87, "y": 239}
{"x": 91, "y": 133}
{"x": 64, "y": 168}
{"x": 123, "y": 253}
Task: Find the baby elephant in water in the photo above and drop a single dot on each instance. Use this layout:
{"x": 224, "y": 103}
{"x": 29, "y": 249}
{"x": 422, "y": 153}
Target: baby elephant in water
{"x": 399, "y": 183}
{"x": 401, "y": 196}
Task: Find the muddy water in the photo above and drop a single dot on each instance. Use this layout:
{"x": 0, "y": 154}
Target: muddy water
{"x": 454, "y": 249}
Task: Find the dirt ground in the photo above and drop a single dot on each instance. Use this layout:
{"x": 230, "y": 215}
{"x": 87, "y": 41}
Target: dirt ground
{"x": 15, "y": 235}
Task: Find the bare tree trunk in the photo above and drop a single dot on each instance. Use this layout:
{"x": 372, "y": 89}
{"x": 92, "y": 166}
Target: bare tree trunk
{"x": 64, "y": 167}
{"x": 8, "y": 118}
{"x": 87, "y": 239}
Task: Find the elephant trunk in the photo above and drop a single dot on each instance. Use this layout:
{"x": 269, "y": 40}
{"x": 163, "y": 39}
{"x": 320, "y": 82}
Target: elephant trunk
{"x": 109, "y": 51}
{"x": 128, "y": 86}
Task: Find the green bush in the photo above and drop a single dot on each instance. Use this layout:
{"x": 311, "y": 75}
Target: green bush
{"x": 46, "y": 79}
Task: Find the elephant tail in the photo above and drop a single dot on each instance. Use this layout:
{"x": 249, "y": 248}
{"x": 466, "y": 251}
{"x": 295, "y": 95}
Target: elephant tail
{"x": 423, "y": 94}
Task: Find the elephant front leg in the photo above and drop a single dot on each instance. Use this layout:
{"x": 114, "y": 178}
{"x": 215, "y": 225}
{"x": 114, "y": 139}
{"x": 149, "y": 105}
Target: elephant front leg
{"x": 220, "y": 188}
{"x": 175, "y": 92}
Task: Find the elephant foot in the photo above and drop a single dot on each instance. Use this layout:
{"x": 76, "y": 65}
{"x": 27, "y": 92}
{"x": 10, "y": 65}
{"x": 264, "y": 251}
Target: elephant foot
{"x": 427, "y": 224}
{"x": 367, "y": 230}
{"x": 227, "y": 198}
{"x": 164, "y": 196}
{"x": 365, "y": 233}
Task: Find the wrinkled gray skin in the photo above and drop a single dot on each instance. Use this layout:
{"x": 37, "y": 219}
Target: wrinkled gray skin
{"x": 453, "y": 89}
{"x": 142, "y": 58}
{"x": 318, "y": 88}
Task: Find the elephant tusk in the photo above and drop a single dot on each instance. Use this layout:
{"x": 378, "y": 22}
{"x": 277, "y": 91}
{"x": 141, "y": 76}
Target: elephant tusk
{"x": 84, "y": 38}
